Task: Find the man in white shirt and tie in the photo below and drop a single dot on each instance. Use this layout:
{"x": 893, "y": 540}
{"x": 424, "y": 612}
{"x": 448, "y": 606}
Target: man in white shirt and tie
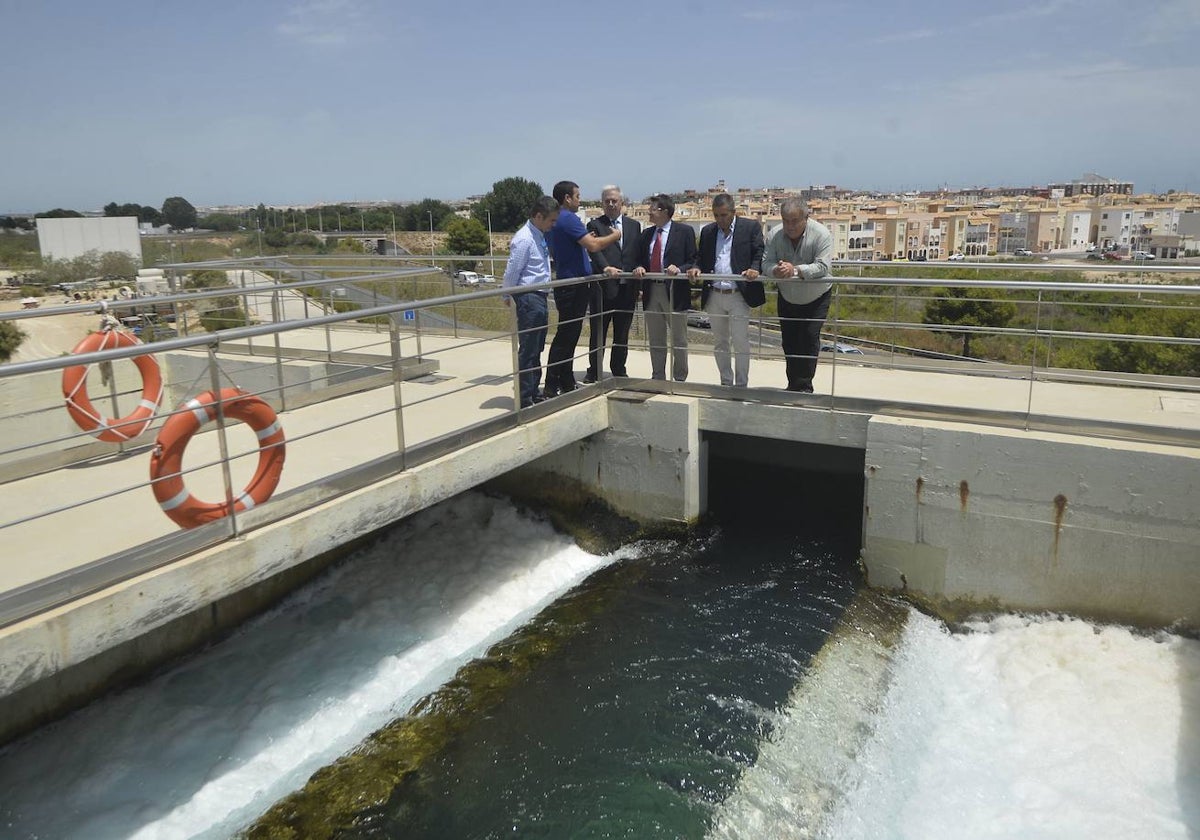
{"x": 667, "y": 251}
{"x": 731, "y": 253}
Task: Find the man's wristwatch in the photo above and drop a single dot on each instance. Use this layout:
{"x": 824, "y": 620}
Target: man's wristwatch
{"x": 795, "y": 271}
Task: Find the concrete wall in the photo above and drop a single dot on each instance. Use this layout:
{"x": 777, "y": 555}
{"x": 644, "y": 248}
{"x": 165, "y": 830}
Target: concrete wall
{"x": 958, "y": 516}
{"x": 967, "y": 517}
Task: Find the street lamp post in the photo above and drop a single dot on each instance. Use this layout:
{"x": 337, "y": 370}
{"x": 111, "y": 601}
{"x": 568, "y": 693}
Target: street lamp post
{"x": 491, "y": 256}
{"x": 431, "y": 259}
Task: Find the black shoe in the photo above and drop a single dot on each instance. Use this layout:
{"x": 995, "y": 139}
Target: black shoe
{"x": 589, "y": 378}
{"x": 620, "y": 374}
{"x": 539, "y": 398}
{"x": 549, "y": 393}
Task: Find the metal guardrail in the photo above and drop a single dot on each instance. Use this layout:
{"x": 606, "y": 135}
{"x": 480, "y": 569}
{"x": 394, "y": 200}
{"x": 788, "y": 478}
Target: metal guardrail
{"x": 358, "y": 354}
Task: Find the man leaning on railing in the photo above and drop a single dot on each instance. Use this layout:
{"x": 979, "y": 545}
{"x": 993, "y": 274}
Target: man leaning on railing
{"x": 529, "y": 264}
{"x": 798, "y": 257}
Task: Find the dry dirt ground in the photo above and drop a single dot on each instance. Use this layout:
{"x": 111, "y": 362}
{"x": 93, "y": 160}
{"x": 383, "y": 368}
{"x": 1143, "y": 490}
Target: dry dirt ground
{"x": 50, "y": 335}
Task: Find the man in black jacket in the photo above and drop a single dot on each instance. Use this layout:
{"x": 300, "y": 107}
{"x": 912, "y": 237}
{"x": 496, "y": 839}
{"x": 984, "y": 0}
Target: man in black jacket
{"x": 667, "y": 249}
{"x": 616, "y": 296}
{"x": 730, "y": 246}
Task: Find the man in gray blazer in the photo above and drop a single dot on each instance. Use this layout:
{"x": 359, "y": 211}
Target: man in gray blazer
{"x": 798, "y": 257}
{"x": 617, "y": 296}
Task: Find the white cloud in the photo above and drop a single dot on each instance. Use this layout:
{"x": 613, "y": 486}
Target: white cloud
{"x": 1173, "y": 20}
{"x": 324, "y": 23}
{"x": 769, "y": 15}
{"x": 900, "y": 37}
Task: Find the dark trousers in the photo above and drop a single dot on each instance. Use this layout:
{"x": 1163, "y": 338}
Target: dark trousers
{"x": 531, "y": 324}
{"x": 800, "y": 325}
{"x": 617, "y": 312}
{"x": 572, "y": 305}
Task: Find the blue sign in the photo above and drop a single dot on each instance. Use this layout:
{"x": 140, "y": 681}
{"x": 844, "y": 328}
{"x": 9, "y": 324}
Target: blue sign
{"x": 410, "y": 315}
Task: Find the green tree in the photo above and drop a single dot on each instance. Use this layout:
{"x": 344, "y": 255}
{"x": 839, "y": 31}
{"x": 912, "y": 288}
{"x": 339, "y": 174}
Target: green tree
{"x": 509, "y": 203}
{"x": 416, "y": 216}
{"x": 466, "y": 236}
{"x": 968, "y": 308}
{"x": 226, "y": 312}
{"x": 143, "y": 212}
{"x": 220, "y": 221}
{"x": 59, "y": 213}
{"x": 1156, "y": 358}
{"x": 11, "y": 337}
{"x": 117, "y": 264}
{"x": 209, "y": 279}
{"x": 179, "y": 213}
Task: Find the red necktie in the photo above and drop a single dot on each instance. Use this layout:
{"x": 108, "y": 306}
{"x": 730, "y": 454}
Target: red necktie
{"x": 656, "y": 253}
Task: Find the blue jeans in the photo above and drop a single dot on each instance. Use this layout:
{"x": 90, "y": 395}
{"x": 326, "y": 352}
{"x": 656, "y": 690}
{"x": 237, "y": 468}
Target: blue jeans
{"x": 532, "y": 319}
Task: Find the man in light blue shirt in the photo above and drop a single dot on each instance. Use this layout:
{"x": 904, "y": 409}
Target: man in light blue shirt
{"x": 528, "y": 265}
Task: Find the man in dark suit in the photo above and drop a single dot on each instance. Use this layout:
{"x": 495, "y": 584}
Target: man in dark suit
{"x": 730, "y": 246}
{"x": 667, "y": 249}
{"x": 617, "y": 296}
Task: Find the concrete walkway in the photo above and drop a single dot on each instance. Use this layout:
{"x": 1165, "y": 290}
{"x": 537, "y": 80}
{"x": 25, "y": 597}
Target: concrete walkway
{"x": 105, "y": 506}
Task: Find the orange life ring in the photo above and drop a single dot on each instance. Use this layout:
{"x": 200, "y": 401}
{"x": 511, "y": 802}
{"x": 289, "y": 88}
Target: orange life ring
{"x": 166, "y": 462}
{"x": 79, "y": 405}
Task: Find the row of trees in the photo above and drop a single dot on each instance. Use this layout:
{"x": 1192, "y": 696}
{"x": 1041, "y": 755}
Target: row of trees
{"x": 331, "y": 218}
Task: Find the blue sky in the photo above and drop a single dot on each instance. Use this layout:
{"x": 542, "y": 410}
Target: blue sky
{"x": 325, "y": 100}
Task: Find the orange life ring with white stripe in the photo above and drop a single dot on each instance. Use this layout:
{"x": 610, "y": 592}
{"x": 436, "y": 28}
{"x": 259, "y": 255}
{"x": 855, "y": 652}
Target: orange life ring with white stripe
{"x": 166, "y": 462}
{"x": 79, "y": 405}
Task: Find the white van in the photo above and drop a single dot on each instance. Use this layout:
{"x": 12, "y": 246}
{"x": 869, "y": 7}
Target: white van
{"x": 468, "y": 278}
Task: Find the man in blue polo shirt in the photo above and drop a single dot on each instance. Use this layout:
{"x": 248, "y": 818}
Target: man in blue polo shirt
{"x": 570, "y": 243}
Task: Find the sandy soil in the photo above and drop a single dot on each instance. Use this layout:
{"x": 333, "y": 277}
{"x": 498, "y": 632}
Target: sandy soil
{"x": 49, "y": 335}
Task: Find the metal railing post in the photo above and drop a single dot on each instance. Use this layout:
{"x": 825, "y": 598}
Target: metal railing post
{"x": 397, "y": 395}
{"x": 276, "y": 316}
{"x": 453, "y": 307}
{"x": 833, "y": 372}
{"x": 222, "y": 439}
{"x": 1037, "y": 321}
{"x": 515, "y": 332}
{"x": 112, "y": 395}
{"x": 895, "y": 324}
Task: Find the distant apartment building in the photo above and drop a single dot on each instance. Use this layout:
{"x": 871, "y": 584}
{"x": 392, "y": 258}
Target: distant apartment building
{"x": 1077, "y": 229}
{"x": 1131, "y": 226}
{"x": 923, "y": 237}
{"x": 1092, "y": 184}
{"x": 1013, "y": 232}
{"x": 1044, "y": 231}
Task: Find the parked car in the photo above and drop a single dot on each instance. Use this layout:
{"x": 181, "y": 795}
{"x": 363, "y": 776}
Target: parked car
{"x": 829, "y": 347}
{"x": 1142, "y": 255}
{"x": 1022, "y": 252}
{"x": 698, "y": 320}
{"x": 1113, "y": 255}
{"x": 1095, "y": 255}
{"x": 956, "y": 257}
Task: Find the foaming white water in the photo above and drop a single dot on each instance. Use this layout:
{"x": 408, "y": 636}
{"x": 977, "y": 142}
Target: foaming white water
{"x": 1029, "y": 728}
{"x": 201, "y": 750}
